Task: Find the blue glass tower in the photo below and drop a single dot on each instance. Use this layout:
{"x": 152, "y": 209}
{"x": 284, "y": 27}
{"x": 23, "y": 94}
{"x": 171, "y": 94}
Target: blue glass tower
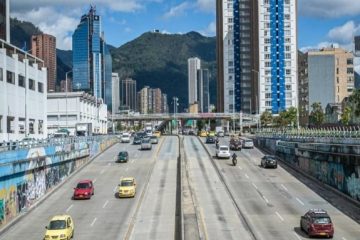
{"x": 92, "y": 63}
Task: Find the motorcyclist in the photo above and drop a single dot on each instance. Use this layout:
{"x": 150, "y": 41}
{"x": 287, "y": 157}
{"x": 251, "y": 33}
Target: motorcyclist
{"x": 234, "y": 159}
{"x": 217, "y": 142}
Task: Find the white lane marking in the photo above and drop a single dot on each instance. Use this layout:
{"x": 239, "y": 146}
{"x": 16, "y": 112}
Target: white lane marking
{"x": 94, "y": 180}
{"x": 126, "y": 169}
{"x": 102, "y": 171}
{"x": 109, "y": 164}
{"x": 297, "y": 236}
{"x": 68, "y": 209}
{"x": 93, "y": 222}
{"x": 299, "y": 201}
{"x": 246, "y": 176}
{"x": 132, "y": 161}
{"x": 282, "y": 185}
{"x": 255, "y": 186}
{"x": 343, "y": 238}
{"x": 240, "y": 168}
{"x": 266, "y": 200}
{"x": 278, "y": 214}
{"x": 105, "y": 203}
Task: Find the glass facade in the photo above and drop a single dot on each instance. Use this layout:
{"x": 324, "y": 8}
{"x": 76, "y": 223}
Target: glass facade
{"x": 92, "y": 63}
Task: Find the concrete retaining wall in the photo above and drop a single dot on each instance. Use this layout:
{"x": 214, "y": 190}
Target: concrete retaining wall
{"x": 28, "y": 174}
{"x": 337, "y": 165}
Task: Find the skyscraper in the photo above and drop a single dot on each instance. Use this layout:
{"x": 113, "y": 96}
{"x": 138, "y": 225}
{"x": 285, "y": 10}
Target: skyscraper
{"x": 128, "y": 97}
{"x": 43, "y": 46}
{"x": 115, "y": 93}
{"x": 194, "y": 64}
{"x": 203, "y": 90}
{"x": 237, "y": 55}
{"x": 278, "y": 55}
{"x": 91, "y": 59}
{"x": 5, "y": 20}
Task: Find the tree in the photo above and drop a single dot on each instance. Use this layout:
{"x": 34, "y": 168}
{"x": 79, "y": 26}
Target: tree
{"x": 346, "y": 116}
{"x": 354, "y": 99}
{"x": 317, "y": 115}
{"x": 291, "y": 116}
{"x": 266, "y": 118}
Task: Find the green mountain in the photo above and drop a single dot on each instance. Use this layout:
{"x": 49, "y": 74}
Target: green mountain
{"x": 160, "y": 60}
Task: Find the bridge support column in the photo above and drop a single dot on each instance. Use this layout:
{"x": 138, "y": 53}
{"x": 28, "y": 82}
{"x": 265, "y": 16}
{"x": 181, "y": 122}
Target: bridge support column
{"x": 241, "y": 122}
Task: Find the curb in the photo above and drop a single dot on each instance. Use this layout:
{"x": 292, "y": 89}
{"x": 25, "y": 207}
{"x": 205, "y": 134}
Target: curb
{"x": 48, "y": 194}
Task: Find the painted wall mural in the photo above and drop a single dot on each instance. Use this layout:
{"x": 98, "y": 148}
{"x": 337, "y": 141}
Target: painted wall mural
{"x": 27, "y": 175}
{"x": 335, "y": 165}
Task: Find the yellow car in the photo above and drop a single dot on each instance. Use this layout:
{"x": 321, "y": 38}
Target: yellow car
{"x": 203, "y": 133}
{"x": 157, "y": 134}
{"x": 127, "y": 187}
{"x": 60, "y": 227}
{"x": 211, "y": 134}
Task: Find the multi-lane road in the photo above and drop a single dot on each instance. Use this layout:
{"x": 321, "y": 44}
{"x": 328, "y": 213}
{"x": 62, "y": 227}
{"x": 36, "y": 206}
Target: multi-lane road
{"x": 242, "y": 202}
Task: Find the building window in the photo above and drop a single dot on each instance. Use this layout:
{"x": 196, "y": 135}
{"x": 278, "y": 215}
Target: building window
{"x": 337, "y": 70}
{"x": 287, "y": 56}
{"x": 32, "y": 84}
{"x": 267, "y": 103}
{"x": 31, "y": 126}
{"x": 337, "y": 79}
{"x": 21, "y": 81}
{"x": 288, "y": 72}
{"x": 350, "y": 70}
{"x": 40, "y": 87}
{"x": 21, "y": 125}
{"x": 231, "y": 63}
{"x": 10, "y": 77}
{"x": 41, "y": 123}
{"x": 10, "y": 123}
{"x": 288, "y": 48}
{"x": 267, "y": 64}
{"x": 267, "y": 95}
{"x": 1, "y": 74}
{"x": 350, "y": 61}
{"x": 231, "y": 92}
{"x": 288, "y": 87}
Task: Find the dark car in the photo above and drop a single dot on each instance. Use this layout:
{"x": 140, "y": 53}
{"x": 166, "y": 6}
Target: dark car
{"x": 269, "y": 161}
{"x": 123, "y": 157}
{"x": 317, "y": 222}
{"x": 210, "y": 139}
{"x": 235, "y": 144}
{"x": 137, "y": 140}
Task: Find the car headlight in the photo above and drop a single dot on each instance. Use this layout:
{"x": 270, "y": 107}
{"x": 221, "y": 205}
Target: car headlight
{"x": 86, "y": 193}
{"x": 62, "y": 235}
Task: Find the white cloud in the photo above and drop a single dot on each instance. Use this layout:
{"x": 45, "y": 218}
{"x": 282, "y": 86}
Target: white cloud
{"x": 345, "y": 33}
{"x": 206, "y": 5}
{"x": 329, "y": 8}
{"x": 178, "y": 10}
{"x": 210, "y": 30}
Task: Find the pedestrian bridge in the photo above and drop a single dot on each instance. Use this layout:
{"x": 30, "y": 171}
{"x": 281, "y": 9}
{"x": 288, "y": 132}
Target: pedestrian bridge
{"x": 244, "y": 118}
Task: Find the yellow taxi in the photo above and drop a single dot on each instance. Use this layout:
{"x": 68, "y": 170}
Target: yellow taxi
{"x": 127, "y": 187}
{"x": 203, "y": 133}
{"x": 211, "y": 134}
{"x": 60, "y": 227}
{"x": 157, "y": 134}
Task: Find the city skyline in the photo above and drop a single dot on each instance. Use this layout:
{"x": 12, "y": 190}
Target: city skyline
{"x": 335, "y": 25}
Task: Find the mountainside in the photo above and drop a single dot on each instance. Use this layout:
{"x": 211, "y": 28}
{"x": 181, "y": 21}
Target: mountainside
{"x": 160, "y": 60}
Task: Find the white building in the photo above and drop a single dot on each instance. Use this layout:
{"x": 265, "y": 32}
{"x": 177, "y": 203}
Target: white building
{"x": 278, "y": 55}
{"x": 194, "y": 64}
{"x": 65, "y": 110}
{"x": 23, "y": 94}
{"x": 115, "y": 93}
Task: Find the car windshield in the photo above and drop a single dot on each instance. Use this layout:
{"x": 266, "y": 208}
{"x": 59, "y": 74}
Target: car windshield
{"x": 125, "y": 135}
{"x": 145, "y": 140}
{"x": 122, "y": 154}
{"x": 322, "y": 220}
{"x": 224, "y": 149}
{"x": 126, "y": 183}
{"x": 235, "y": 141}
{"x": 82, "y": 185}
{"x": 153, "y": 137}
{"x": 270, "y": 158}
{"x": 57, "y": 224}
{"x": 248, "y": 141}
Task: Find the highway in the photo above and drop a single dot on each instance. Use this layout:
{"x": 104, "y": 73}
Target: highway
{"x": 231, "y": 202}
{"x": 273, "y": 200}
{"x": 103, "y": 216}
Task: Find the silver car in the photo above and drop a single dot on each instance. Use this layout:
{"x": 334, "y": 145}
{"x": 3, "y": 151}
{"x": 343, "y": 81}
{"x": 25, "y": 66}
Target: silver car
{"x": 154, "y": 140}
{"x": 146, "y": 144}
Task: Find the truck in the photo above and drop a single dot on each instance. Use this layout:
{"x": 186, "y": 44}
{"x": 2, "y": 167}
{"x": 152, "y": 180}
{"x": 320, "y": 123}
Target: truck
{"x": 83, "y": 129}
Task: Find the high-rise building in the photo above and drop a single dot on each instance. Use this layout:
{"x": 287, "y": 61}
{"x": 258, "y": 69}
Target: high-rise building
{"x": 194, "y": 64}
{"x": 155, "y": 100}
{"x": 164, "y": 103}
{"x": 5, "y": 20}
{"x": 278, "y": 55}
{"x": 115, "y": 93}
{"x": 128, "y": 97}
{"x": 152, "y": 100}
{"x": 143, "y": 100}
{"x": 203, "y": 90}
{"x": 92, "y": 70}
{"x": 331, "y": 71}
{"x": 43, "y": 46}
{"x": 303, "y": 88}
{"x": 237, "y": 55}
{"x": 357, "y": 45}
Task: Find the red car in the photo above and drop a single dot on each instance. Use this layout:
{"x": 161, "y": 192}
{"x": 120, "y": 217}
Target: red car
{"x": 84, "y": 190}
{"x": 317, "y": 222}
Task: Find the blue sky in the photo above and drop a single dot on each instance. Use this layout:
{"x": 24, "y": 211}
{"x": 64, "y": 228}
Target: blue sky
{"x": 321, "y": 22}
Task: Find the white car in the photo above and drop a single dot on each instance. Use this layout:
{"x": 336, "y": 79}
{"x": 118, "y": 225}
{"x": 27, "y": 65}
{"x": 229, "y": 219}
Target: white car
{"x": 223, "y": 152}
{"x": 125, "y": 138}
{"x": 247, "y": 143}
{"x": 146, "y": 144}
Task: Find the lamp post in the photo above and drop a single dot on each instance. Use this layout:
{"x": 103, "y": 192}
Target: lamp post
{"x": 66, "y": 96}
{"x": 175, "y": 100}
{"x": 256, "y": 95}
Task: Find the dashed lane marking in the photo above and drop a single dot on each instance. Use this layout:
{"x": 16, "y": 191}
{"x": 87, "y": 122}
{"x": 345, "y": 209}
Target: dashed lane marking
{"x": 255, "y": 186}
{"x": 102, "y": 171}
{"x": 68, "y": 209}
{"x": 279, "y": 216}
{"x": 297, "y": 236}
{"x": 93, "y": 222}
{"x": 246, "y": 176}
{"x": 105, "y": 204}
{"x": 240, "y": 168}
{"x": 282, "y": 185}
{"x": 299, "y": 201}
{"x": 266, "y": 200}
